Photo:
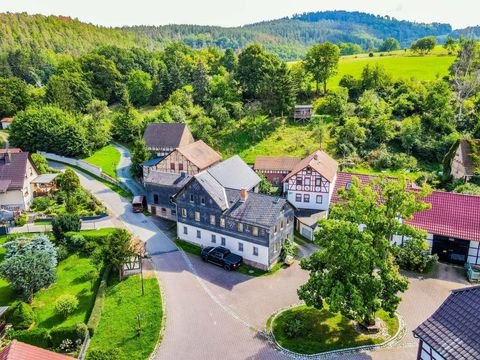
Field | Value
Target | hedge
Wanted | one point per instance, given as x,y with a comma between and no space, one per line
96,313
73,332
36,337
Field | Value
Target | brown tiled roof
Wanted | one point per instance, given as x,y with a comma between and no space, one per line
13,169
167,135
319,161
17,350
200,154
453,331
276,163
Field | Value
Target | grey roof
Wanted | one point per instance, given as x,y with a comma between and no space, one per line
213,188
234,173
13,167
167,135
44,179
310,217
167,179
453,330
152,162
258,209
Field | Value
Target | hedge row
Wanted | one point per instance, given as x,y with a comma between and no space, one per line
96,313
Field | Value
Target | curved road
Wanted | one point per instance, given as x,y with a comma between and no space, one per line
213,316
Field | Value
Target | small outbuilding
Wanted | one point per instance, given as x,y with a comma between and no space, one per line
453,331
303,112
6,122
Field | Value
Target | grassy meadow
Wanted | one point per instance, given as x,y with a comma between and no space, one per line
107,158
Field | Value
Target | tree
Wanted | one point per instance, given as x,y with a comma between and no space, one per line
126,125
66,304
335,103
410,131
349,136
20,315
450,45
28,272
424,45
265,187
200,84
414,255
14,96
229,60
362,276
139,156
465,72
140,87
277,91
65,223
97,124
390,44
118,249
23,245
68,181
253,63
322,63
69,92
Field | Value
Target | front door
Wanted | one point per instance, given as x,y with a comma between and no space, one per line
450,250
154,210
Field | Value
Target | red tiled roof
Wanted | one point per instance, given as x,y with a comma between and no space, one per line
319,161
453,215
275,163
17,350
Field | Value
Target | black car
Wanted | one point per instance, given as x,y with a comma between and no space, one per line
222,257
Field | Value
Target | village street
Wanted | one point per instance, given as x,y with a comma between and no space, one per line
212,314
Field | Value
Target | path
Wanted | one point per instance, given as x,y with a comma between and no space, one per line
106,222
123,171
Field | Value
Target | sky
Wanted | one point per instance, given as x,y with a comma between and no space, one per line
458,13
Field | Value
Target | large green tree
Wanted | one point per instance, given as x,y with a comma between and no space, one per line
118,249
390,44
424,45
140,86
322,63
69,92
14,96
354,272
200,84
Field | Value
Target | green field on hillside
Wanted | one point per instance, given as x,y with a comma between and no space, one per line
107,158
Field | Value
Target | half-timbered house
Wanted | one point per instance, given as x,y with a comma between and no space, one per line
275,169
163,138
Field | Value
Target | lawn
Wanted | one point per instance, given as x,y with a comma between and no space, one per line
118,323
71,279
107,158
325,331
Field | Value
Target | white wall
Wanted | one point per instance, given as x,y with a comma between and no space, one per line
473,253
312,204
306,231
231,243
95,170
13,199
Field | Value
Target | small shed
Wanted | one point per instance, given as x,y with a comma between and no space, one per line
44,184
6,122
303,112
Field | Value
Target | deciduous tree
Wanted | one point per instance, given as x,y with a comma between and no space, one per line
322,62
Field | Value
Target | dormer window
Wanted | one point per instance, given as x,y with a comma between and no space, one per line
202,201
192,199
222,222
348,186
309,171
240,227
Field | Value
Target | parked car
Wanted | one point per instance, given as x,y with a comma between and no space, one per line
139,203
222,257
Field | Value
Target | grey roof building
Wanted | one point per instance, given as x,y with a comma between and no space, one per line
234,173
162,138
453,331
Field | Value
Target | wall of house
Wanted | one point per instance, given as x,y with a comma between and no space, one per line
160,151
474,253
159,201
305,230
309,183
273,176
175,163
426,352
13,200
189,233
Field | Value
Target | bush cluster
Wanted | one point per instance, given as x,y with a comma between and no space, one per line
295,326
20,315
414,255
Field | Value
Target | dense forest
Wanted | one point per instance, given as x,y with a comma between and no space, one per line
289,38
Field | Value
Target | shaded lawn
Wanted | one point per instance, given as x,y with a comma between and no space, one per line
325,331
70,280
7,294
107,158
118,323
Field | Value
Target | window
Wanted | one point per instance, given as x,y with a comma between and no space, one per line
212,219
174,212
240,246
348,186
180,167
288,221
318,182
319,199
155,198
172,166
222,222
255,231
255,251
275,229
276,180
309,170
214,238
298,197
185,230
197,216
281,225
306,198
307,181
223,241
191,198
240,227
202,200
184,213
199,234
299,180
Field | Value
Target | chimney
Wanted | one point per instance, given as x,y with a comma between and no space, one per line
315,157
243,194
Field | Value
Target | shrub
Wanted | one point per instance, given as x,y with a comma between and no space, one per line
21,219
66,305
20,315
104,354
40,203
62,252
75,333
413,255
75,242
65,223
36,337
294,326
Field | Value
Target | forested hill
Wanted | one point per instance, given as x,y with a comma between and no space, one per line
288,37
60,34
